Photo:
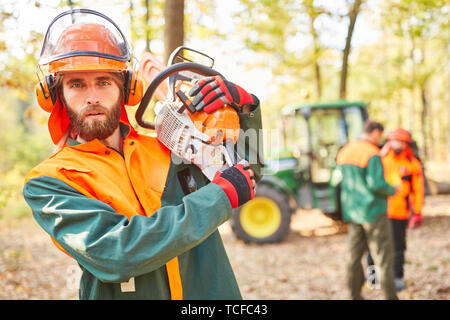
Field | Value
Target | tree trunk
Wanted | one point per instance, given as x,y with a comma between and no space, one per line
423,120
313,13
147,25
318,81
353,14
132,31
411,108
316,59
446,123
174,26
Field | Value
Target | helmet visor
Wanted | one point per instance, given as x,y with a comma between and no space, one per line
83,33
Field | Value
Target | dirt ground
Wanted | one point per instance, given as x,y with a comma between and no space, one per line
310,264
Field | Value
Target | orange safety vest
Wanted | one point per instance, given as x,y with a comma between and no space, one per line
406,171
357,153
99,172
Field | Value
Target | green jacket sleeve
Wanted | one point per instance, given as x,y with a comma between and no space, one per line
250,142
110,246
375,178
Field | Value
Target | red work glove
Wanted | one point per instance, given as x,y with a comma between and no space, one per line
415,221
213,92
237,182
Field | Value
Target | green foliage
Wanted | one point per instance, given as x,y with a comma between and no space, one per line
403,73
199,16
22,146
146,19
23,140
407,61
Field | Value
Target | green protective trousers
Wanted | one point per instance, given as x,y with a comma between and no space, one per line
376,236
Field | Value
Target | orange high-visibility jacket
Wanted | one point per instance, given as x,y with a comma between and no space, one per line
97,172
404,170
129,223
140,225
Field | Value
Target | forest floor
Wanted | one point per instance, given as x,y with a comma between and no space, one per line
309,264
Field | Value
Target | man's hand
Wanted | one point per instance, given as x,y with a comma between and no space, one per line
238,182
415,221
213,92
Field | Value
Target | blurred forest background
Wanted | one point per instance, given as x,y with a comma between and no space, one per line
301,51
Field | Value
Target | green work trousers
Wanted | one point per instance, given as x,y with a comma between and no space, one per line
376,236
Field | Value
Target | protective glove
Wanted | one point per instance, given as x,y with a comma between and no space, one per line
211,93
237,182
415,221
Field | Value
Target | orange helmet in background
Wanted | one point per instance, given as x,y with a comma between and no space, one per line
83,40
400,135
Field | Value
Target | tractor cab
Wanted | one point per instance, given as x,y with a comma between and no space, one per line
315,133
298,175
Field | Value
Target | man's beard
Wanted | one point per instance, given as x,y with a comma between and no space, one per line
95,129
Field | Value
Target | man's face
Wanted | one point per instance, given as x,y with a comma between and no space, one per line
93,102
398,146
376,137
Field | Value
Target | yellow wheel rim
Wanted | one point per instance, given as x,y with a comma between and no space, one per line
260,217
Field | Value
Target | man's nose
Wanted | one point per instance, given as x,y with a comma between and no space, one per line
92,97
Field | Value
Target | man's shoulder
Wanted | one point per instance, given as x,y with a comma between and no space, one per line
51,165
70,158
357,152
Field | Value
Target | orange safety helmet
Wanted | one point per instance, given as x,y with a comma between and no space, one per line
400,135
87,38
83,40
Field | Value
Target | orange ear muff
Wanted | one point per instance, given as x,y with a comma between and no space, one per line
45,93
133,88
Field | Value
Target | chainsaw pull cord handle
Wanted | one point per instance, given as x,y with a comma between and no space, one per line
163,75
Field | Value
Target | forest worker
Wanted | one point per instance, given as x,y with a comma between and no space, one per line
111,198
364,193
402,169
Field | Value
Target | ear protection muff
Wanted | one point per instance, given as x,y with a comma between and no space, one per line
46,94
133,88
133,91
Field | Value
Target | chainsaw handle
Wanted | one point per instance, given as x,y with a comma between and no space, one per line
163,75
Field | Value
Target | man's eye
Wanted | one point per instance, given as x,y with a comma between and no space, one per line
104,83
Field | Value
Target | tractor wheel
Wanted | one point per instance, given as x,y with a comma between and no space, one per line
264,219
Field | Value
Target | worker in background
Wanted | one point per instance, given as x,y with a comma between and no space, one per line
364,193
403,170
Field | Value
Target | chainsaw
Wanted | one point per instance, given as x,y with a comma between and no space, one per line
204,139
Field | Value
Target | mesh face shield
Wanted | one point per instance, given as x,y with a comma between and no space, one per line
84,40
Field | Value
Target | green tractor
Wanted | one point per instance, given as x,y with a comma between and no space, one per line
299,175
